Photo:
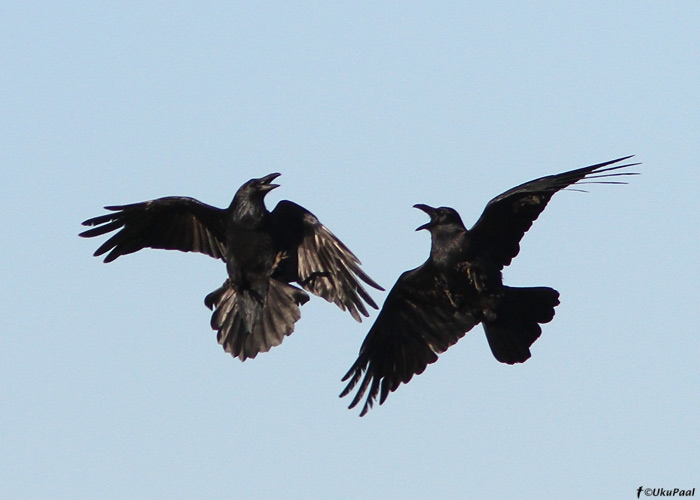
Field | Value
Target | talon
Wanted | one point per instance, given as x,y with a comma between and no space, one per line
279,258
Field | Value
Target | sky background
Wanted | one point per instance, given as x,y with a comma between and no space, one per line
112,384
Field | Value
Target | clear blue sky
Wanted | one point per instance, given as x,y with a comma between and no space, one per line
113,385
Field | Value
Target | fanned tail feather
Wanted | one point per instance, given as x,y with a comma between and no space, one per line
516,325
248,324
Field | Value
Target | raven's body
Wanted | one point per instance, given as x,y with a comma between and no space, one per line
264,252
460,285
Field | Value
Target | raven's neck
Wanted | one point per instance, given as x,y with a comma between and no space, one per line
449,245
248,212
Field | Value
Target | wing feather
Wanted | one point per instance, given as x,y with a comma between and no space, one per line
319,261
171,223
510,215
417,322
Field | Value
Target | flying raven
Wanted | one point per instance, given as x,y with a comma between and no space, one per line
264,252
460,285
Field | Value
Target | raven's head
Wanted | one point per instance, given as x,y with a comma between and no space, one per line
256,189
263,185
249,197
442,216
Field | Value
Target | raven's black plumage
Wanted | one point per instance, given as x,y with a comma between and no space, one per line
460,285
264,252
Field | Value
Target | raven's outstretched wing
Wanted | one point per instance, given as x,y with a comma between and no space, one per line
171,223
319,261
418,321
508,216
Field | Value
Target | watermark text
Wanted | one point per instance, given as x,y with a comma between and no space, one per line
665,492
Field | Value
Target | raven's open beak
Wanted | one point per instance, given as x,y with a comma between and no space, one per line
428,210
266,181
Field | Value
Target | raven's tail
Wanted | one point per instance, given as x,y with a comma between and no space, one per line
515,321
248,323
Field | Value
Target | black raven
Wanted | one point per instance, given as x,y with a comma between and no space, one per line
264,251
460,285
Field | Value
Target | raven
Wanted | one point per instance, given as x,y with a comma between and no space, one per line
460,285
264,252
